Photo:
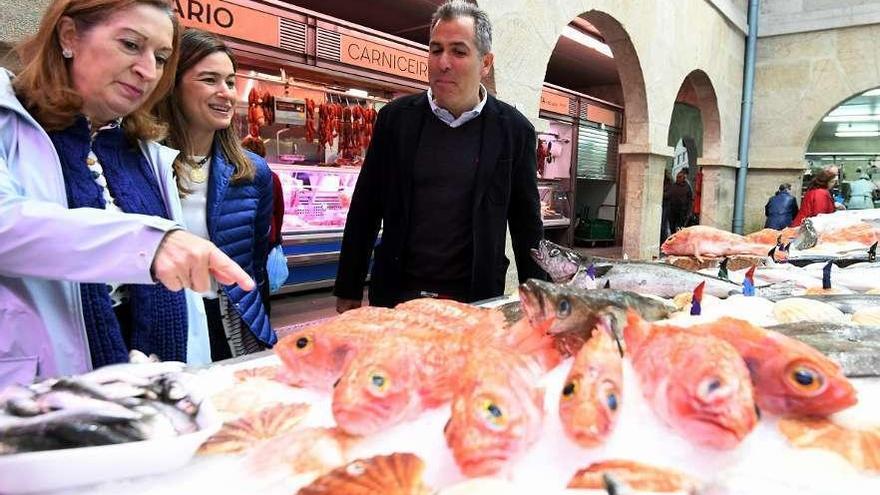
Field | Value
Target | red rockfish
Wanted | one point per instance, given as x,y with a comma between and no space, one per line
790,377
697,384
593,390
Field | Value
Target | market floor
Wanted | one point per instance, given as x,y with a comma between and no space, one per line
292,310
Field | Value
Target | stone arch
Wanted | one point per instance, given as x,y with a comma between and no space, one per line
629,70
818,120
698,91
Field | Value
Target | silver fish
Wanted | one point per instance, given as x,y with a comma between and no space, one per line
807,236
560,262
847,303
666,280
856,348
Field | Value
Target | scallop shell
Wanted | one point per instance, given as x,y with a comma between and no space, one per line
306,450
819,291
796,309
868,316
253,428
860,447
395,474
634,475
267,372
252,394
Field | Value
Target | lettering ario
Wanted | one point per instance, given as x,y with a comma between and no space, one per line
205,13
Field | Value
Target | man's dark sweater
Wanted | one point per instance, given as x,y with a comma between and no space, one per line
440,249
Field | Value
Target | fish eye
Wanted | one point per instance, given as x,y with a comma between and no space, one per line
554,252
378,381
611,401
612,397
708,387
805,378
492,415
303,343
569,390
563,309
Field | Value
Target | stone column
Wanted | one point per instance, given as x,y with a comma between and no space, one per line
642,192
719,186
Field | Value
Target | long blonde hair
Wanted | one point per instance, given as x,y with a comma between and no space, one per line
195,45
44,83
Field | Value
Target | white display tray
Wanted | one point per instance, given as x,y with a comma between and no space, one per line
762,464
33,472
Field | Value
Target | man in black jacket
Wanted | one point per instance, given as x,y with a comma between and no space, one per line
445,173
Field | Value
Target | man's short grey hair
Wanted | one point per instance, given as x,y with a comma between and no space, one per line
454,9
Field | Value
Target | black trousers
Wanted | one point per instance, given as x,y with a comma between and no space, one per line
216,334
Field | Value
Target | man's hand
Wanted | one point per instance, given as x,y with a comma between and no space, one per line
186,261
343,305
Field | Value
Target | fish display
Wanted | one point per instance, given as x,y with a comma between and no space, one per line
696,383
593,390
116,404
570,314
701,240
789,376
855,347
497,411
772,237
315,356
396,378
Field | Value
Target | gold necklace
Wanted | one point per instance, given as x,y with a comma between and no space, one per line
198,173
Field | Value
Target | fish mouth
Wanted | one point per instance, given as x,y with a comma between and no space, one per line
484,463
537,254
719,435
363,419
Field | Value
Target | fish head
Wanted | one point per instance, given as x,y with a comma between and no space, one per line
711,398
377,390
554,308
591,395
494,419
559,262
795,378
312,359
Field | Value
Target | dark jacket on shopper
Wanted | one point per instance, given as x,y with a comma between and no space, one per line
504,192
680,201
238,223
780,210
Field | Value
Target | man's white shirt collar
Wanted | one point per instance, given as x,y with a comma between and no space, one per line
446,116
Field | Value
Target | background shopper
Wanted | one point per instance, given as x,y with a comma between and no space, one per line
446,172
226,191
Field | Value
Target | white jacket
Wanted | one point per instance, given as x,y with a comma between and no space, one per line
46,250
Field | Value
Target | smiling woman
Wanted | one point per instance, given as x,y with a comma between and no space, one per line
92,258
226,191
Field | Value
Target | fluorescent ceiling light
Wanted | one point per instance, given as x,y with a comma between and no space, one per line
852,118
588,41
359,93
857,134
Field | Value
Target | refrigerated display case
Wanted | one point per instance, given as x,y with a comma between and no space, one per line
316,201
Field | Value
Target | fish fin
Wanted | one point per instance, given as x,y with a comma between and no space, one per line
610,320
526,339
637,330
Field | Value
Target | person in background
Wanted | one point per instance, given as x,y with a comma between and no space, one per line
664,211
780,208
681,200
445,174
256,145
861,192
92,257
818,198
226,191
